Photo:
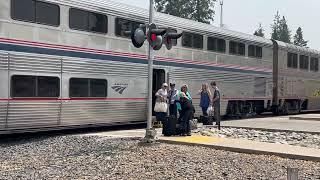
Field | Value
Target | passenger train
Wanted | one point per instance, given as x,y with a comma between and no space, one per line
69,63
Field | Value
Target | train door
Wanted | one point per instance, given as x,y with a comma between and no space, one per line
159,77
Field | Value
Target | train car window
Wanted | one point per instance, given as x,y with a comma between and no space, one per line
187,40
88,21
314,64
48,86
192,40
83,87
292,61
98,23
237,48
78,87
258,52
48,14
251,51
242,49
198,41
304,62
123,25
23,86
35,12
255,51
221,45
232,47
23,10
98,88
34,86
217,45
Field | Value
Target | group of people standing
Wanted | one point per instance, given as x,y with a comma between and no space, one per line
181,101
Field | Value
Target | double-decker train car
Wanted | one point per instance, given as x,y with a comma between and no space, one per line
69,63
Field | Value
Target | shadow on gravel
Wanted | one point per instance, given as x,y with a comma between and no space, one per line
23,138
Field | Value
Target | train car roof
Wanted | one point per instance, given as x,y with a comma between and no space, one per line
132,12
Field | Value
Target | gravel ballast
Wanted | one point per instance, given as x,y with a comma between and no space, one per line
291,138
93,157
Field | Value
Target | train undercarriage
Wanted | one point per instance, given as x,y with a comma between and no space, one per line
253,108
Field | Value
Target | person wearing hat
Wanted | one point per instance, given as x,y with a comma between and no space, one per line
161,96
172,96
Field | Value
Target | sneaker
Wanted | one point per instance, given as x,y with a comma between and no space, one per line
189,134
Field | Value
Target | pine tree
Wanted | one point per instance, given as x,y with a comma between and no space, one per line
280,29
259,31
285,33
298,38
198,10
276,27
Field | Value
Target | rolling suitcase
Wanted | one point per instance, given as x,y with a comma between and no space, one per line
169,126
208,120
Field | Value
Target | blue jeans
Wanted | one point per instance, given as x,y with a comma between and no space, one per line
204,111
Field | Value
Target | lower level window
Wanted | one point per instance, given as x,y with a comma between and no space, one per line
35,86
83,87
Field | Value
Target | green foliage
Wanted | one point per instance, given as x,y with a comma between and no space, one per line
276,27
285,33
280,29
298,38
259,31
198,10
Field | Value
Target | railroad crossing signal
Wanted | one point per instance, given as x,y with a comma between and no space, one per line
156,36
169,36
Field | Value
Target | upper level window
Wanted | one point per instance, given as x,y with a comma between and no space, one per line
216,44
88,21
314,64
82,87
237,48
255,51
123,25
292,60
192,40
304,62
35,11
34,86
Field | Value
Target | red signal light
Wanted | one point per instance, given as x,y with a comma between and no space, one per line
153,37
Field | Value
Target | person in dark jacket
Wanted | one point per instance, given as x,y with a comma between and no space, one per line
216,102
187,112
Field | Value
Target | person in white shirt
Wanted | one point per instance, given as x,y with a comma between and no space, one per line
172,96
162,96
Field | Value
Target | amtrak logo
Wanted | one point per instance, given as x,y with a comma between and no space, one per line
119,88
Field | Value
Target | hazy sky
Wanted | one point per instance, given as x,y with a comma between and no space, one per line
245,15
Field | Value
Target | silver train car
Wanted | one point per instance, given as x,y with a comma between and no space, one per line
69,63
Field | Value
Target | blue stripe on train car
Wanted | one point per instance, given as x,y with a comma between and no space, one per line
46,51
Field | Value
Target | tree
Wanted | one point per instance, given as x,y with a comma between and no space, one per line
276,27
285,33
198,10
280,29
298,38
259,31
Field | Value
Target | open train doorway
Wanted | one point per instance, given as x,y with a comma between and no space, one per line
159,77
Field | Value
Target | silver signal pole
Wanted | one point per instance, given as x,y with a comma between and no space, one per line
221,13
150,132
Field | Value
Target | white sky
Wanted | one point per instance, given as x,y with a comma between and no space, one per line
245,15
